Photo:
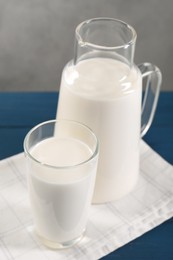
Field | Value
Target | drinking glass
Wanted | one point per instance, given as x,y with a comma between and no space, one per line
62,161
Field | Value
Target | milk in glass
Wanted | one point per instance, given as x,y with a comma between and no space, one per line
60,198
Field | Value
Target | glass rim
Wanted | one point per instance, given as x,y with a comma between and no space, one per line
101,47
27,152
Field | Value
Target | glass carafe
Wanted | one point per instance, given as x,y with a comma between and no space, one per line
102,88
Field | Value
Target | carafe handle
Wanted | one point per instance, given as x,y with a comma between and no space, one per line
152,79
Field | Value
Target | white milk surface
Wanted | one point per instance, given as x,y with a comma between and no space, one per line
105,94
60,197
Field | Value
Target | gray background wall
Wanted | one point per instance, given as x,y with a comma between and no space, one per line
36,37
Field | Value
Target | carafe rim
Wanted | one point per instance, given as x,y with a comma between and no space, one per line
83,43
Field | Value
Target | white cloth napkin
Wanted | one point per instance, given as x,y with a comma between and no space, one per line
110,225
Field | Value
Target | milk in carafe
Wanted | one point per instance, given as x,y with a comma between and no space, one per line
105,94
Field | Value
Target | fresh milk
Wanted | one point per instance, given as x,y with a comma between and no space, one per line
105,94
60,197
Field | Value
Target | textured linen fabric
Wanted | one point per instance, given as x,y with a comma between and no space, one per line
110,225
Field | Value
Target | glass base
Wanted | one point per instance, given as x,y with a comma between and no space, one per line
59,245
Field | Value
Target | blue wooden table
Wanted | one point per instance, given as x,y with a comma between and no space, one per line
19,112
